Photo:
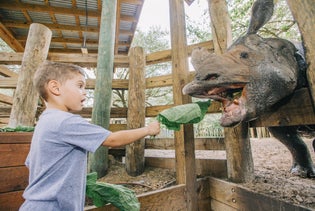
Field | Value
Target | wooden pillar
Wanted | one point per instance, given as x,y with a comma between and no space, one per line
240,165
220,25
98,161
304,14
26,97
239,158
136,110
184,139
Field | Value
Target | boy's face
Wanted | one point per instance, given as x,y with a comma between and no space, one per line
72,93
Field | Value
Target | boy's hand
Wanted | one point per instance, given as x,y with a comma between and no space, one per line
153,128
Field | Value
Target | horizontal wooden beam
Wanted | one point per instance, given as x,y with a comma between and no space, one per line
6,72
9,38
297,111
200,143
166,55
75,58
6,99
230,196
51,26
91,58
15,5
60,27
136,2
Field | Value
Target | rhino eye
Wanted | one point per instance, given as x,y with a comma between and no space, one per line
244,55
211,77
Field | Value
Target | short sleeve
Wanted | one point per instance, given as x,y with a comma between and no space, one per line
77,131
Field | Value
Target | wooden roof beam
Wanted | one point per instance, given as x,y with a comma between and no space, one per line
60,10
128,18
46,8
8,37
6,72
11,24
6,99
136,2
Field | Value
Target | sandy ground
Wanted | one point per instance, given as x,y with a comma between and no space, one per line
272,162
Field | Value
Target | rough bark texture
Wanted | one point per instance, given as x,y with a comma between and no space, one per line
136,110
184,139
26,97
103,87
220,25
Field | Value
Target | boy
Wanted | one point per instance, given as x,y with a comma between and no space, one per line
58,155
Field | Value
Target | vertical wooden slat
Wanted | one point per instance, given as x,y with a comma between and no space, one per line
184,139
240,166
136,110
220,25
304,14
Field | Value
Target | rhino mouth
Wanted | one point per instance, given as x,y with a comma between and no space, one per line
231,97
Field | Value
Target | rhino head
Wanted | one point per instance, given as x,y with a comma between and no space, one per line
254,73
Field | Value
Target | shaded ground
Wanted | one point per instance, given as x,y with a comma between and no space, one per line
272,162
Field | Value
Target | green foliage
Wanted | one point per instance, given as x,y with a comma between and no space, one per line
103,193
17,129
281,24
190,113
198,30
153,40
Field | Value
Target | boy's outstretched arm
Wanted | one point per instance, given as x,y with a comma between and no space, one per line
124,137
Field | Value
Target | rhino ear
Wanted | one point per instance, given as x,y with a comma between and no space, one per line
262,11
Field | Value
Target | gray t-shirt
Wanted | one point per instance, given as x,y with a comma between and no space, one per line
57,161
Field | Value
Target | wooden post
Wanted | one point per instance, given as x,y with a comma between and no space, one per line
240,167
98,161
220,25
26,97
239,158
184,139
136,110
304,13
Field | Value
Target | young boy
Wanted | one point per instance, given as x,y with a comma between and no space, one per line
58,156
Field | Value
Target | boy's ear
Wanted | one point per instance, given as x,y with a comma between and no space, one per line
53,87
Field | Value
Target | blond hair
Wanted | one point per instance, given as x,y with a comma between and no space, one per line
54,71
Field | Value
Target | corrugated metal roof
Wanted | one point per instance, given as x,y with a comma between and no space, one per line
67,20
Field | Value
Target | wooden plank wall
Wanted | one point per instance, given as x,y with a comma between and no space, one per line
14,148
204,167
213,194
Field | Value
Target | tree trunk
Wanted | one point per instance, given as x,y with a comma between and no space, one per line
98,161
26,97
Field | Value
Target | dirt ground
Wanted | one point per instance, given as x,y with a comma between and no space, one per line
272,162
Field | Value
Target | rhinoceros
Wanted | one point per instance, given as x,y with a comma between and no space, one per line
251,77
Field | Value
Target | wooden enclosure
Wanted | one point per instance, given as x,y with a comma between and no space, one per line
218,194
188,194
14,148
209,190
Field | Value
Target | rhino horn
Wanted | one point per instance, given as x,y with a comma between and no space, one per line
262,11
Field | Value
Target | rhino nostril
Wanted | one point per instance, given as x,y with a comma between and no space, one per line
244,55
211,77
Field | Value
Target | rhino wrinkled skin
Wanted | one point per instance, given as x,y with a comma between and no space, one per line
254,75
